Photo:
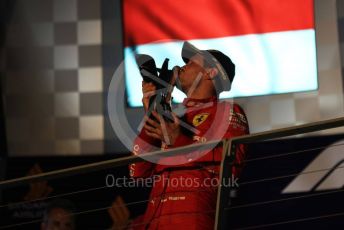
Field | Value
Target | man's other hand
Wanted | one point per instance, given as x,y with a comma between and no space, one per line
161,129
148,90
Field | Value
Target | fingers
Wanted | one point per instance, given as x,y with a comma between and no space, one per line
175,118
160,129
148,87
152,127
148,90
149,93
156,116
122,206
152,122
152,134
119,213
159,121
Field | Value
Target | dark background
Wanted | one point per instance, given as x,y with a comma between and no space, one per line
237,218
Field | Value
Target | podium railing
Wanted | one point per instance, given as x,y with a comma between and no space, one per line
228,157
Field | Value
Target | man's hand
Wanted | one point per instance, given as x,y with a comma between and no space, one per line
163,130
119,214
148,90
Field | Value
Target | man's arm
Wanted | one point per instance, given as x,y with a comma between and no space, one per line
144,143
238,126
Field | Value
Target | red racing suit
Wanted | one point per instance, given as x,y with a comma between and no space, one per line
184,192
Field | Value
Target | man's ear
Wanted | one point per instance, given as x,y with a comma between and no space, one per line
212,72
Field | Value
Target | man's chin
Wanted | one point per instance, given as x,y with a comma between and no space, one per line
179,86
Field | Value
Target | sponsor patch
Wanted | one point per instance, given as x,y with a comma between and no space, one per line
237,120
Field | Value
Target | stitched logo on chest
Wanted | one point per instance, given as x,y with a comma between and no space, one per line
199,118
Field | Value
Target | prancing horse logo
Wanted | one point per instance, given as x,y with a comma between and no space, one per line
199,118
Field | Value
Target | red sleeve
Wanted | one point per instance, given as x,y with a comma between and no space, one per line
238,126
233,123
182,140
143,144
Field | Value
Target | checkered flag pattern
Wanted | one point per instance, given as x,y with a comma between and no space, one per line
53,79
340,14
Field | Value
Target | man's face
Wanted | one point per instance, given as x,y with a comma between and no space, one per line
190,72
59,219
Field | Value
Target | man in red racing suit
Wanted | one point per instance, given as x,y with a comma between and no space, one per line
185,187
